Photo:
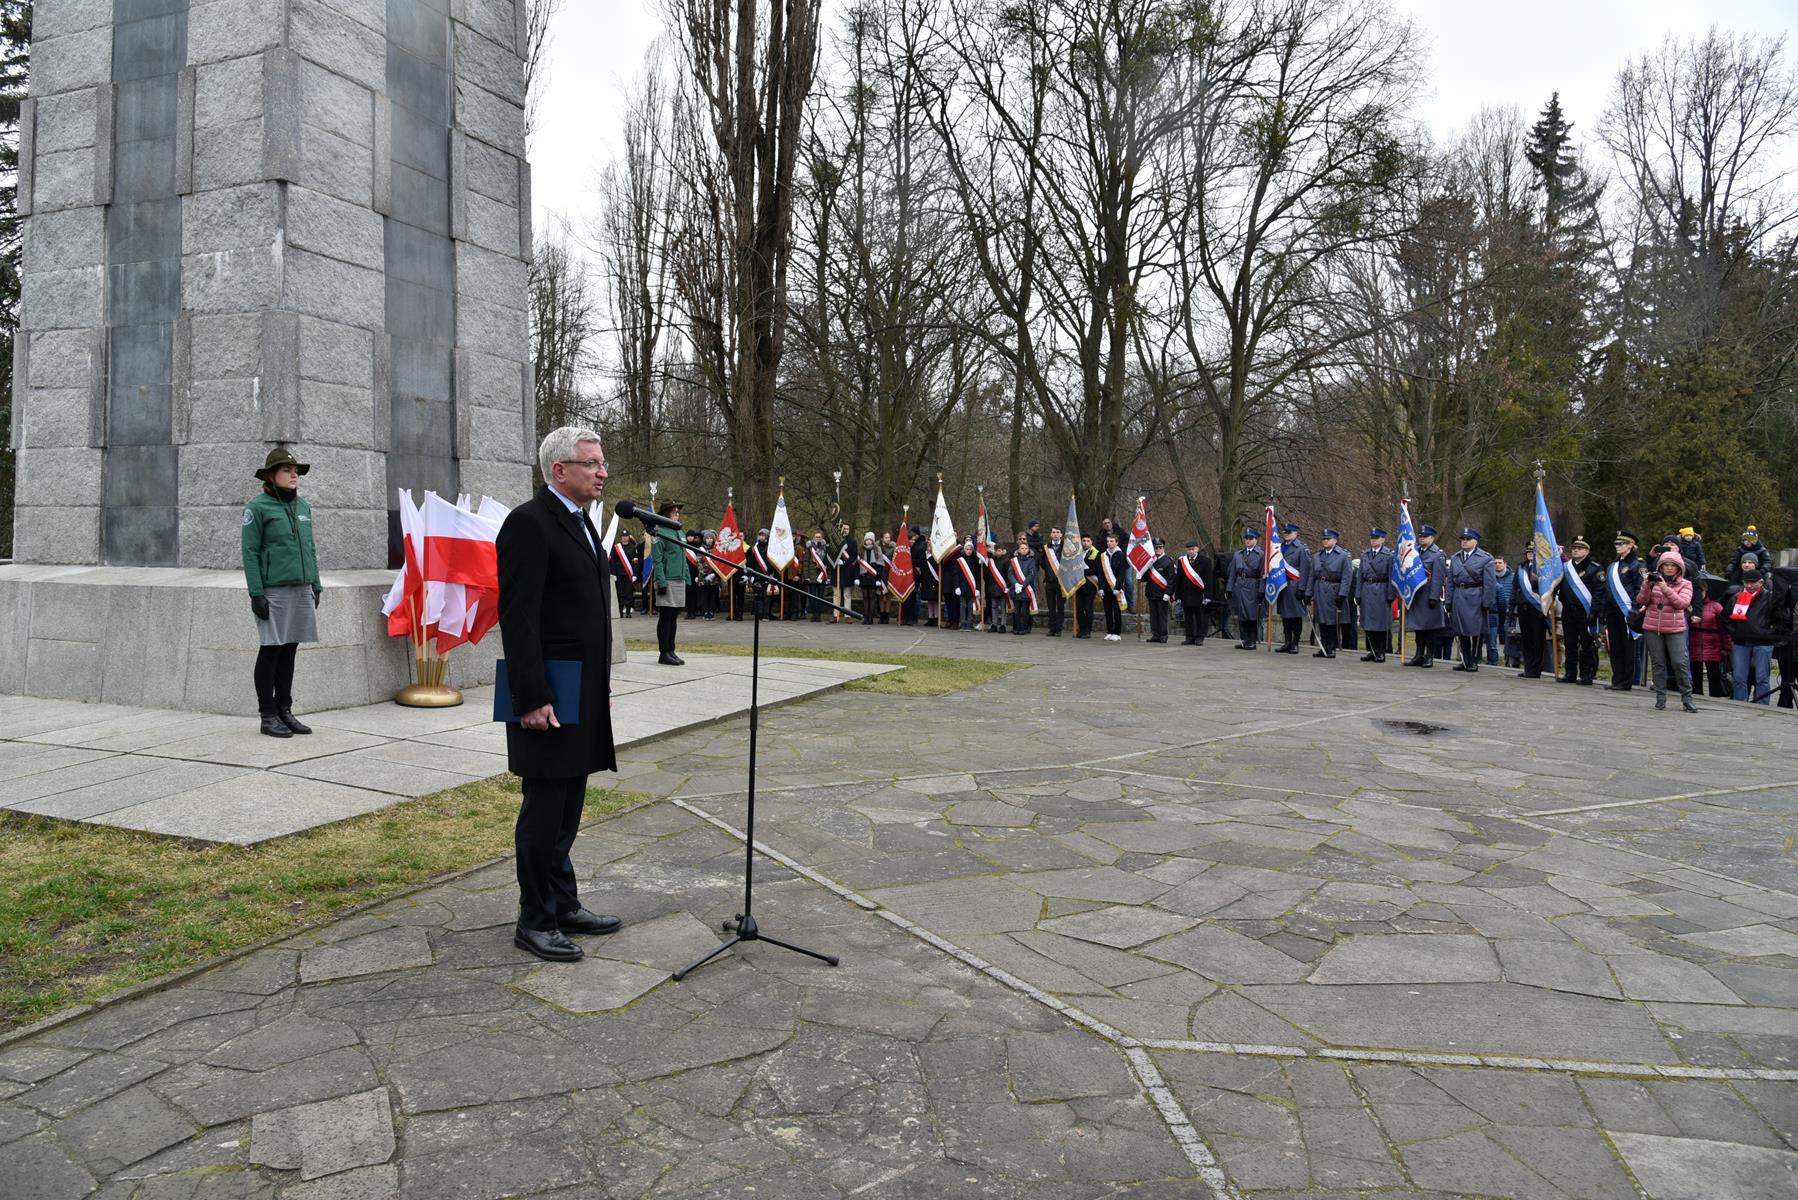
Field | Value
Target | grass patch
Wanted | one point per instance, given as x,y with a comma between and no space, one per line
922,674
86,910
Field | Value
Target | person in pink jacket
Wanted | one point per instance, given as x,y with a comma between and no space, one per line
1710,650
1666,598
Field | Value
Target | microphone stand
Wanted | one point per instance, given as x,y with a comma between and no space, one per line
744,926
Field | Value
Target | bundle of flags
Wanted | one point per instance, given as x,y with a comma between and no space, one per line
447,590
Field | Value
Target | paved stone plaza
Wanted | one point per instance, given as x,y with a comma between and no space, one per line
1137,921
208,778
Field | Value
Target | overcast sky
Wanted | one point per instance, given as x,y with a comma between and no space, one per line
1479,55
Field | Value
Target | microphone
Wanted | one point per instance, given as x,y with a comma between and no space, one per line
629,511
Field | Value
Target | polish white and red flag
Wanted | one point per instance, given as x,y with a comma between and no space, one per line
448,588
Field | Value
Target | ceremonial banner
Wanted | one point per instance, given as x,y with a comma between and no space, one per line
1071,570
1278,574
901,576
942,529
780,536
1412,574
982,550
729,544
1142,551
1549,567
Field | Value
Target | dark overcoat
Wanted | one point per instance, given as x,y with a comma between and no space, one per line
553,605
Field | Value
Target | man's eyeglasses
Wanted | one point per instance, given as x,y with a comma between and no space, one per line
592,464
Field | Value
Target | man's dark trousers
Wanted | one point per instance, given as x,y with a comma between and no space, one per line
548,820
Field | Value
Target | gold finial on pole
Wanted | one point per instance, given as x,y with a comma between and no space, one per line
1540,472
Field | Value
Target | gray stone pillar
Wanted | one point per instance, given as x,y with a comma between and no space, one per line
251,223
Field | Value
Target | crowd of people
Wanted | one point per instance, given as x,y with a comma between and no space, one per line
1664,620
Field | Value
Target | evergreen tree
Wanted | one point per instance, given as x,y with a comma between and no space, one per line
15,60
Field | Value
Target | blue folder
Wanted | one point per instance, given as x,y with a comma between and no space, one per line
564,684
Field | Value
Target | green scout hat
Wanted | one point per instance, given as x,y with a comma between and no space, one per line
281,456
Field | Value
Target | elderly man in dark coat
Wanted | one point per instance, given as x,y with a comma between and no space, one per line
1192,583
1243,583
1332,578
1377,589
553,611
1472,591
1427,614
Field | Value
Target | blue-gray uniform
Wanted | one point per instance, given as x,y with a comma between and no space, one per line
1472,591
1375,591
1332,577
1243,583
1427,615
1290,603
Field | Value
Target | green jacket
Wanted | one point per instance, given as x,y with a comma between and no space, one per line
670,554
277,544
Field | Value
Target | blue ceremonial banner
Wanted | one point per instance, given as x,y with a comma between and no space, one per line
1276,559
1412,574
1549,567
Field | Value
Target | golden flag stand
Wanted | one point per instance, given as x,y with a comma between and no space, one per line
430,668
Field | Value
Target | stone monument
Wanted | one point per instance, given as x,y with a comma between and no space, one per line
251,223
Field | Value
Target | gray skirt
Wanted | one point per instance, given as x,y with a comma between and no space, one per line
292,615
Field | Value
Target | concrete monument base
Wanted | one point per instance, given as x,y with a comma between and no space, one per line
169,637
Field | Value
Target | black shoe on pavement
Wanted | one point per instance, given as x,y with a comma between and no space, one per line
671,659
1370,656
1686,703
273,726
1319,654
292,722
1660,701
1616,687
551,945
582,921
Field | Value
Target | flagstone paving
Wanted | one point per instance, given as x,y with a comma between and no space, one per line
211,778
1140,921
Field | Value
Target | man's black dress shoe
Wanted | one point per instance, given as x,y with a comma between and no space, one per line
582,921
672,660
548,944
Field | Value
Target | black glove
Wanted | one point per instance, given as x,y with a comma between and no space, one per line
259,606
317,594
1435,603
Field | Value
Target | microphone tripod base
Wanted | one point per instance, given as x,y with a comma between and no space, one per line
748,931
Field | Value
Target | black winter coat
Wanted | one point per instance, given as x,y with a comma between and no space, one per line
553,605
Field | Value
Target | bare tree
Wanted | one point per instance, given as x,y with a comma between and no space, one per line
539,14
752,62
562,331
634,234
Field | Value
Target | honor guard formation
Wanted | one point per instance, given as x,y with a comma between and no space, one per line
1660,617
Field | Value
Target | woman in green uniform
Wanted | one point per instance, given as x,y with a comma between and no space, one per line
281,568
672,578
